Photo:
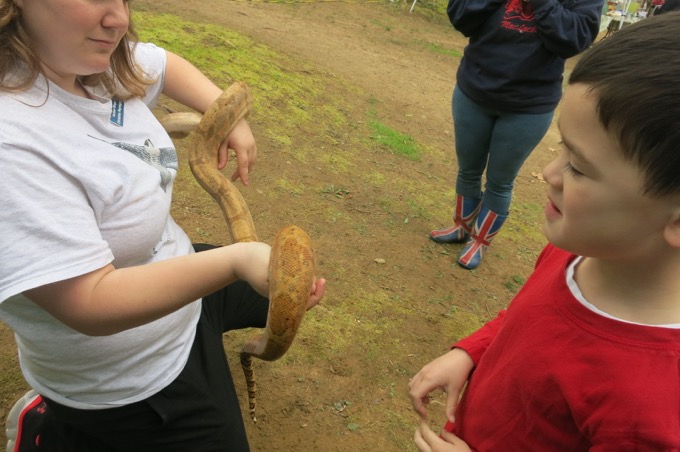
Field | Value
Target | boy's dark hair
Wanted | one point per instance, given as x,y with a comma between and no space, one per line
635,75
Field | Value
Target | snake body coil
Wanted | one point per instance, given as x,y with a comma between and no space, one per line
292,262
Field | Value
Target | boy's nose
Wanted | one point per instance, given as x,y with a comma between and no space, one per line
552,173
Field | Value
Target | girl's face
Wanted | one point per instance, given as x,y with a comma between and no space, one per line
74,37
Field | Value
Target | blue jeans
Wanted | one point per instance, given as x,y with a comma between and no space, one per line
494,141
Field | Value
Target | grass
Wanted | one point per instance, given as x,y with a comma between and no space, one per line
338,192
284,98
395,141
226,56
436,48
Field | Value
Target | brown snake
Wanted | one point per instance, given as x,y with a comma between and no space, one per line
292,262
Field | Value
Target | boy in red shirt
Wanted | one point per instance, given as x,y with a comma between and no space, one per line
587,355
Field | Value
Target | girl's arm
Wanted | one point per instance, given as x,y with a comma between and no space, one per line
110,300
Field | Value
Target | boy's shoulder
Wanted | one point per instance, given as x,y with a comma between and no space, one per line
551,253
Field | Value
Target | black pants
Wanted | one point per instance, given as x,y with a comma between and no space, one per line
197,412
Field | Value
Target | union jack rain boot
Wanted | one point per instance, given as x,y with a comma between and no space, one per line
466,212
486,227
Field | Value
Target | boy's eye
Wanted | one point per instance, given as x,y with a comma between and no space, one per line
573,171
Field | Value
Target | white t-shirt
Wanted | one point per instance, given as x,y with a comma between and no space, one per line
85,183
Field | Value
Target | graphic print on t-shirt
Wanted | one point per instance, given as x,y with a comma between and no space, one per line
519,16
163,159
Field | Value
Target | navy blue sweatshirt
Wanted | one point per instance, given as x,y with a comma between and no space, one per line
515,57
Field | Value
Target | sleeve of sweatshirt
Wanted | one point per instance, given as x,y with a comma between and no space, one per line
467,16
476,344
567,28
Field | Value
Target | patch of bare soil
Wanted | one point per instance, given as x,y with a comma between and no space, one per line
357,399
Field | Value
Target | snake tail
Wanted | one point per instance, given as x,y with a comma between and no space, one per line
249,373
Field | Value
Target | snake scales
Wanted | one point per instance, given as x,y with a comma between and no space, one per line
292,262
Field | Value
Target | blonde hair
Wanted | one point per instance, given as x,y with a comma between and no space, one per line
123,79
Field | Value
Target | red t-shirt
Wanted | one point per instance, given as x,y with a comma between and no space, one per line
553,375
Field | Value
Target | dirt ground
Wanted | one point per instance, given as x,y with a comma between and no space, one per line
395,300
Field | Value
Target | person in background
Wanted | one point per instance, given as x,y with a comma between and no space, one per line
654,7
668,5
587,355
118,320
508,84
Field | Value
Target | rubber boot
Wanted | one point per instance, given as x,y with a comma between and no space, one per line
486,227
466,212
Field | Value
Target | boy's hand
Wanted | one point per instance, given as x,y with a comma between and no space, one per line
428,441
242,141
449,373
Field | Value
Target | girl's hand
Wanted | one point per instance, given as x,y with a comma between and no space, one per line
253,267
242,141
316,294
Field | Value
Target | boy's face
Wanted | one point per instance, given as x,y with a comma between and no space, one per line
595,203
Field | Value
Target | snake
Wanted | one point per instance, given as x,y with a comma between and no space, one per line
292,263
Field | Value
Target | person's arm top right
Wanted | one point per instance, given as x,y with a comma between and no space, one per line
567,28
466,16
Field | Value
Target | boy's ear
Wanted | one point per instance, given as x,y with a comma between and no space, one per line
672,231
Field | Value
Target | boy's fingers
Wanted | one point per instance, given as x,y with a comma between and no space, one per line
452,439
421,411
418,399
451,403
420,440
428,434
